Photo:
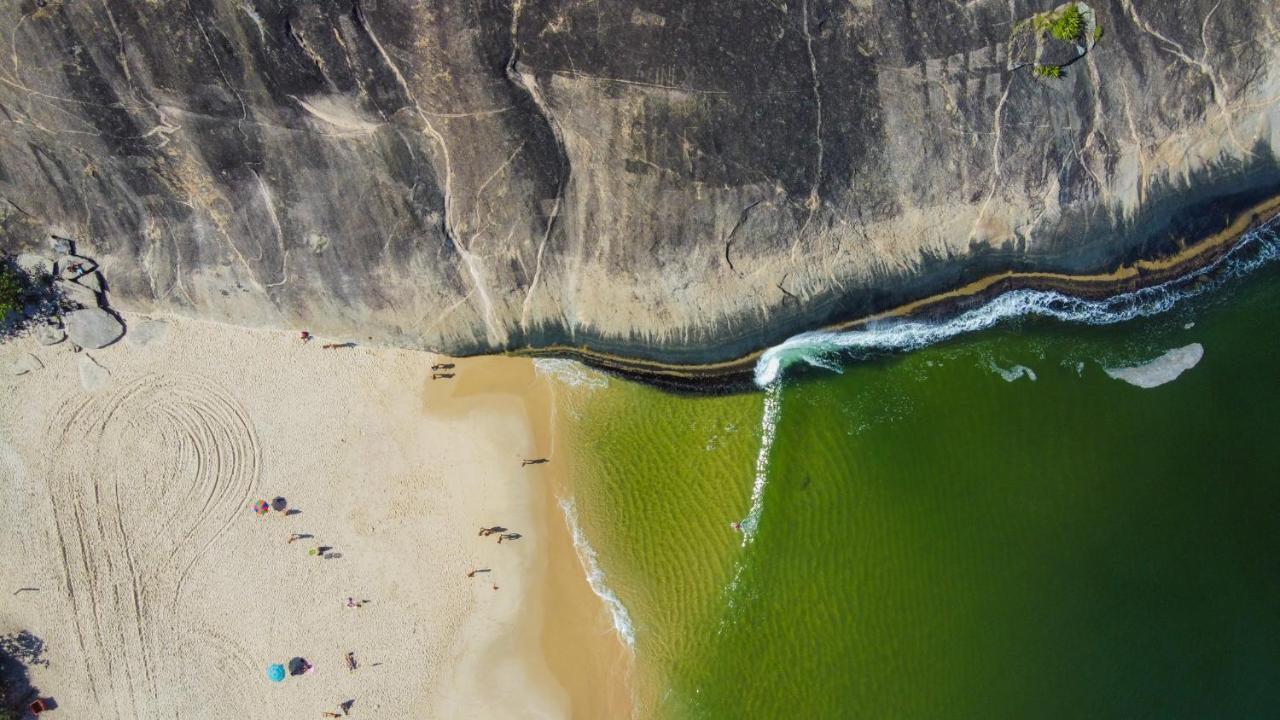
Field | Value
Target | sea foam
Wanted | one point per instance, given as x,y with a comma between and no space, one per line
768,431
595,576
827,349
1162,370
571,372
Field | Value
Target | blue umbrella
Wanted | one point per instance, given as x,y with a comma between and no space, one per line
276,673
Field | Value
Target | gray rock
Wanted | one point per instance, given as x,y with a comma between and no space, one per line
92,328
687,182
77,293
36,265
91,280
46,334
93,377
25,363
61,246
146,332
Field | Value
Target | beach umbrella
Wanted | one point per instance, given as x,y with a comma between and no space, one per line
276,673
261,507
299,666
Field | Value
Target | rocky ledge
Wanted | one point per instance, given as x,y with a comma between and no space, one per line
650,180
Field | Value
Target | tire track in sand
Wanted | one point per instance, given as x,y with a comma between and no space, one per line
143,479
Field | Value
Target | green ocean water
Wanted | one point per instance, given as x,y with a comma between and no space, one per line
935,541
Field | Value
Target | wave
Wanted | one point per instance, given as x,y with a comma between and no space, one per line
595,576
828,349
570,372
768,431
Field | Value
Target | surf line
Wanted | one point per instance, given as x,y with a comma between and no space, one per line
595,576
826,349
768,431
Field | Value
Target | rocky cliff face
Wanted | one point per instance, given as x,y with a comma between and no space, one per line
662,178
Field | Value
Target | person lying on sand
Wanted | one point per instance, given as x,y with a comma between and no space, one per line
441,376
442,366
535,461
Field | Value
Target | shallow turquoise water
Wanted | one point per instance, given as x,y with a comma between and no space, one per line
935,541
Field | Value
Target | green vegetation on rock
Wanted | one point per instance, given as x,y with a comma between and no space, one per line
1068,24
12,287
1048,71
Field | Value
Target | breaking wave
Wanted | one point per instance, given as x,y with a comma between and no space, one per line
595,576
768,431
829,349
571,372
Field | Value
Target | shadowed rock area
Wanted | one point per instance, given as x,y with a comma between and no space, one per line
686,181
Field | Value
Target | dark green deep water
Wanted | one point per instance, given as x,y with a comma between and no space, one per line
938,542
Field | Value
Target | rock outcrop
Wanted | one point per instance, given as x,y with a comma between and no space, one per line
679,180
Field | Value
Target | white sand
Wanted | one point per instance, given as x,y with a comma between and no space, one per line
161,595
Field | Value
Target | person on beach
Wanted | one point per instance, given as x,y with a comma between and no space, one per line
354,603
535,461
441,376
442,366
351,662
486,532
305,336
293,537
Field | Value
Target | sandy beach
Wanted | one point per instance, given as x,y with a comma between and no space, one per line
154,590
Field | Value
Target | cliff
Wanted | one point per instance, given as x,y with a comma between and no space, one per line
682,181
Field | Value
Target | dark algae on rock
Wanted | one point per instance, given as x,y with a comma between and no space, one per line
663,182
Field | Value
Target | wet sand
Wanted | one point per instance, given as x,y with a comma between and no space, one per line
161,594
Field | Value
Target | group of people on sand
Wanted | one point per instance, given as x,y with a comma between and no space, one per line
502,534
281,506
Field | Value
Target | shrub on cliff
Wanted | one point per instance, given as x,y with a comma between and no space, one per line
1068,25
13,287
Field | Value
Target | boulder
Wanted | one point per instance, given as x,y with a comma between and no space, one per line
92,328
34,265
76,293
93,376
147,332
60,245
25,363
49,334
91,280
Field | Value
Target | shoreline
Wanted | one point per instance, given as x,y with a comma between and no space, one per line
736,375
564,631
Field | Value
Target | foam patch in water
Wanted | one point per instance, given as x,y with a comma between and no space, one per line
1014,373
1162,370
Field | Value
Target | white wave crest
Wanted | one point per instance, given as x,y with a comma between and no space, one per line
595,576
823,349
570,372
768,431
